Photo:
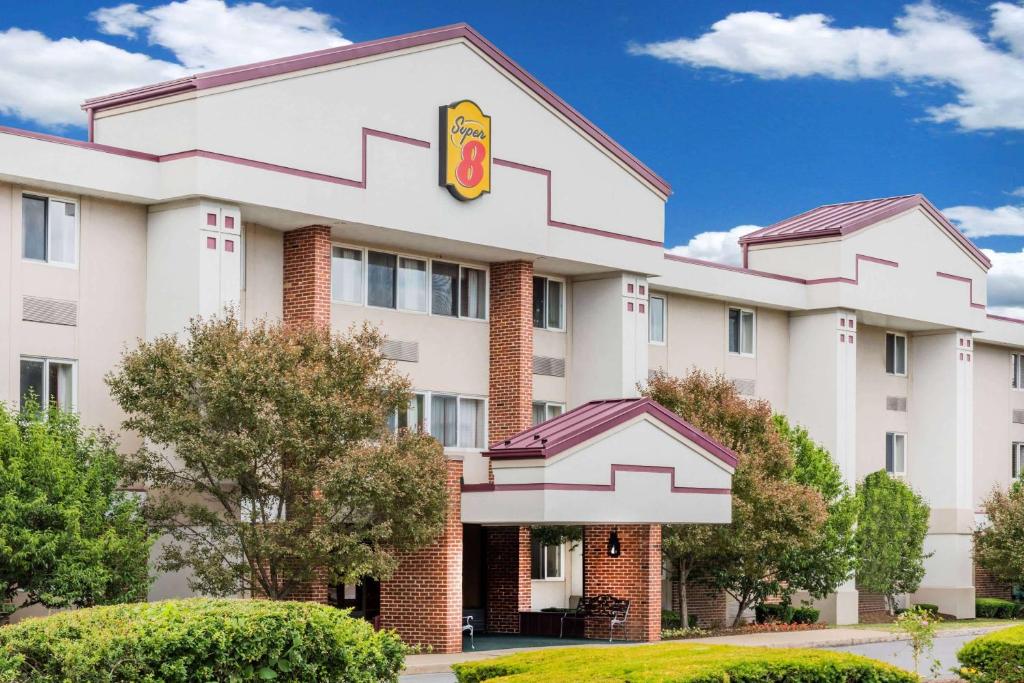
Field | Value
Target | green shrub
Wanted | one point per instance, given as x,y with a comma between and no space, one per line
773,613
805,615
682,663
928,607
199,640
670,619
997,656
995,608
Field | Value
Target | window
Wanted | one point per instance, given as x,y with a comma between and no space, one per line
896,453
412,284
473,292
657,327
895,353
1017,370
347,275
457,422
546,561
413,418
1017,459
543,411
445,293
48,382
458,291
741,331
50,229
548,303
381,279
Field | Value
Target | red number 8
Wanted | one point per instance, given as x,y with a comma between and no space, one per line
470,170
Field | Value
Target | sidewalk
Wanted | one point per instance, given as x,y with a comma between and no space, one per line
829,637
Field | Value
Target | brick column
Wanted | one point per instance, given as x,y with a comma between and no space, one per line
634,575
508,577
423,600
707,604
307,276
511,349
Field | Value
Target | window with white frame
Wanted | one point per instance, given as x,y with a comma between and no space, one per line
458,421
458,291
741,331
49,382
347,275
413,418
895,353
1017,459
49,229
381,279
544,411
657,323
1017,370
546,561
412,284
896,453
548,303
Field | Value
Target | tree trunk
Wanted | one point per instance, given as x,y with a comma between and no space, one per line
684,607
740,609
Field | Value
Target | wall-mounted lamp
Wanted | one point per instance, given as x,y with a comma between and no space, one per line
614,548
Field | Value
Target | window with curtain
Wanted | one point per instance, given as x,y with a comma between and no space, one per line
49,382
347,275
657,330
548,303
381,279
1017,370
741,331
895,354
544,411
896,453
49,230
412,284
412,418
444,424
445,288
473,290
546,561
471,423
1017,459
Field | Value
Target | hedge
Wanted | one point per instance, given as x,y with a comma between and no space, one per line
674,620
785,614
682,663
199,640
997,656
996,608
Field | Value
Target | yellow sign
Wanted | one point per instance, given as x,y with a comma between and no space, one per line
465,145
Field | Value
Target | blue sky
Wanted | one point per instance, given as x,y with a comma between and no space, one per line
752,111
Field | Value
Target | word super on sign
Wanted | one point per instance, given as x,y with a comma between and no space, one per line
465,146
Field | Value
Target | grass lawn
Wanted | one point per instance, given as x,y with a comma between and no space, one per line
680,663
949,625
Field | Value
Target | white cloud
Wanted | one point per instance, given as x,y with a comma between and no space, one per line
976,221
1018,192
926,46
1006,283
721,246
210,34
46,79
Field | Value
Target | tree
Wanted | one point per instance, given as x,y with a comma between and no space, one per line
68,536
831,559
999,545
271,459
890,537
773,515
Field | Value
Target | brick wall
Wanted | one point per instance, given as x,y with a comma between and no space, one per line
508,577
868,603
511,349
307,276
423,600
634,575
707,603
988,586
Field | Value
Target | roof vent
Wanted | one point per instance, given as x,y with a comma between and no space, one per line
1018,417
38,309
552,367
394,349
745,387
897,403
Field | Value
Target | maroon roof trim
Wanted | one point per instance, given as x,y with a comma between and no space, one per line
371,48
734,269
848,217
93,146
594,418
1005,318
970,286
615,468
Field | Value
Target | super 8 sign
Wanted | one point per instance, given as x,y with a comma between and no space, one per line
465,145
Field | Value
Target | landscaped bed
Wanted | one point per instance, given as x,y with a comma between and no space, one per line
682,663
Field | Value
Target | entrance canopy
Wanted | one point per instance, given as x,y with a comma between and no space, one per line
627,461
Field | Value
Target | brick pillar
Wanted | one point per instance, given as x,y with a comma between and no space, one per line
634,575
508,577
707,604
511,348
307,276
423,600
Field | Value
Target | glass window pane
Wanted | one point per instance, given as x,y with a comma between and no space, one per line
539,295
554,410
59,385
474,293
412,417
747,332
61,232
734,330
890,353
32,381
901,355
536,560
442,419
347,275
889,453
471,423
380,283
900,455
553,562
539,414
554,304
33,218
412,284
445,298
657,319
